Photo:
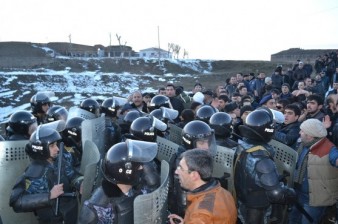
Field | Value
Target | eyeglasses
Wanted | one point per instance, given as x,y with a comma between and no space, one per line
179,167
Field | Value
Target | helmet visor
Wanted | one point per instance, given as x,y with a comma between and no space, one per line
168,113
207,143
141,151
59,125
158,124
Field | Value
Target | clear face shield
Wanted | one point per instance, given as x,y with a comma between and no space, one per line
206,142
158,124
169,114
59,125
141,151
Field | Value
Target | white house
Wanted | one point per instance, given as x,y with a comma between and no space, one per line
154,52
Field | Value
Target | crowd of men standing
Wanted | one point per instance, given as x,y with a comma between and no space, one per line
297,107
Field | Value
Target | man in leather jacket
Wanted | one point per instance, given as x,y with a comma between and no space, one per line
208,202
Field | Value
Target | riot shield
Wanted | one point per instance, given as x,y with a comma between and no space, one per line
90,169
166,149
78,112
13,162
175,134
223,165
93,130
285,158
152,207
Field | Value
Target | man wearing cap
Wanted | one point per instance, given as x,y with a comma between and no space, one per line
208,96
299,72
315,177
268,102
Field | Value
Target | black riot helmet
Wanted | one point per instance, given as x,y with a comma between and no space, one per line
128,119
259,125
22,122
159,101
221,122
73,131
38,146
145,128
56,113
110,107
165,114
204,113
195,131
122,163
38,100
91,106
131,116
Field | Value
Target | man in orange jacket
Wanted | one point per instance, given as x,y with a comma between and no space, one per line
207,201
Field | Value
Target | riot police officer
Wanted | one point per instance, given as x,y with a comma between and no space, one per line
40,103
110,107
205,112
159,101
37,189
127,120
91,106
122,168
55,113
195,134
71,136
256,180
221,122
21,125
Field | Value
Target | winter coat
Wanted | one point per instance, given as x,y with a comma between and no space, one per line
210,203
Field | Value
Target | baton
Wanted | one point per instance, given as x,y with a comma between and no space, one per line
59,176
304,212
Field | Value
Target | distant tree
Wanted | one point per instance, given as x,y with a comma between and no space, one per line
185,53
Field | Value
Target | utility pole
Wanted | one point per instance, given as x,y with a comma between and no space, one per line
109,45
159,45
70,44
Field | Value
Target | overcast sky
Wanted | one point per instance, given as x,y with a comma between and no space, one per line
214,29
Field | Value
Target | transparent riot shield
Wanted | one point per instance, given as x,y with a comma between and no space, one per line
78,112
13,162
166,149
285,158
223,165
175,134
90,169
93,130
152,207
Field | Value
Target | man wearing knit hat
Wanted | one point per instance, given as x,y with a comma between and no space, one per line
316,176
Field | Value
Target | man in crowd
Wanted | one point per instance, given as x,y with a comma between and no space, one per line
316,178
171,94
208,202
288,132
314,106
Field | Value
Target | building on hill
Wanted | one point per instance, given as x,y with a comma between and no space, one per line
154,52
294,54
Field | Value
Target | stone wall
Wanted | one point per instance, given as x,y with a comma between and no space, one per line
24,62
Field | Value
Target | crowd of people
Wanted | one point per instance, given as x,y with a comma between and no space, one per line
297,107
